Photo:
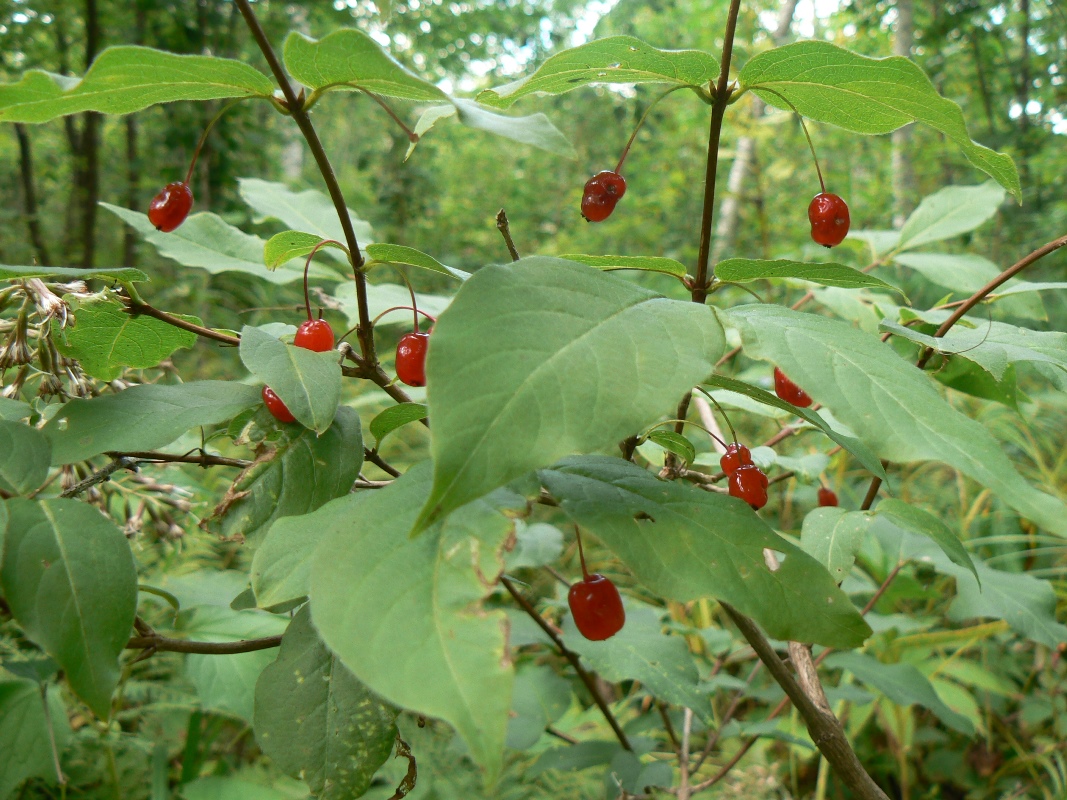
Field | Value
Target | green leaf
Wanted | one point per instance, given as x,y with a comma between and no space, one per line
950,212
206,242
540,697
547,341
226,788
922,522
120,274
398,254
850,443
616,59
143,417
226,684
892,406
25,455
833,536
377,593
685,544
127,79
674,443
393,418
310,211
827,83
309,383
350,58
14,410
535,545
71,582
966,376
668,266
535,130
287,245
903,684
24,736
745,270
303,472
105,339
642,652
384,296
316,721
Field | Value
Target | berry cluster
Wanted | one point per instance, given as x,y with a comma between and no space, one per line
600,195
747,481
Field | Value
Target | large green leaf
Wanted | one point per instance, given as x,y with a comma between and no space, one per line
287,245
535,130
105,339
315,719
684,544
143,417
383,296
304,471
668,266
827,83
127,79
541,696
14,410
744,270
566,359
70,579
833,536
24,737
206,241
309,383
121,274
641,651
310,211
901,683
399,254
405,614
25,455
950,212
616,59
922,522
892,406
350,58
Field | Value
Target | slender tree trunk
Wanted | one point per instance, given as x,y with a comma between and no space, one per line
730,208
133,195
903,168
983,84
90,145
1023,97
29,195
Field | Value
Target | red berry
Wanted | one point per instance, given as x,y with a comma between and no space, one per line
828,215
750,484
411,358
613,183
315,334
737,455
276,407
827,497
600,195
596,607
170,207
789,391
597,206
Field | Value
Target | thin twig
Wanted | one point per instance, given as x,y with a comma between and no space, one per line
161,643
505,231
102,475
135,308
373,457
203,460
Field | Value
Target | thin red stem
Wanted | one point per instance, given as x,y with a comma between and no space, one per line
203,136
430,317
307,266
640,123
581,553
412,136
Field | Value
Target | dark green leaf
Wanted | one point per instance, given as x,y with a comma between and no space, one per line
667,266
674,443
744,270
71,582
24,738
393,418
833,536
287,245
25,455
120,274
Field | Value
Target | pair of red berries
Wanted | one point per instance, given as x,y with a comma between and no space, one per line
746,480
600,195
316,335
828,215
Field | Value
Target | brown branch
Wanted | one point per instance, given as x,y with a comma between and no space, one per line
159,643
586,677
504,227
135,308
373,457
203,460
102,475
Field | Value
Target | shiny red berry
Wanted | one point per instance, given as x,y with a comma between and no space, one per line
827,497
411,358
737,455
315,334
750,484
600,195
596,607
170,207
789,391
828,215
614,184
276,407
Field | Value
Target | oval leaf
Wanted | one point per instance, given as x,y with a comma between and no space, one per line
744,270
399,254
950,212
833,536
25,455
395,417
309,210
535,130
287,245
667,266
674,443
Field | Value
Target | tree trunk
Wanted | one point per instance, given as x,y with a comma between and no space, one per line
903,169
90,140
133,196
29,195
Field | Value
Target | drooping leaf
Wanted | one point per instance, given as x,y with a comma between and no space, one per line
745,270
892,406
105,339
350,58
309,383
25,455
641,651
207,242
287,245
684,544
70,579
922,522
393,418
616,59
668,266
950,212
404,613
548,341
143,417
127,79
302,472
833,536
827,83
120,274
24,737
310,211
901,683
399,254
315,719
540,697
